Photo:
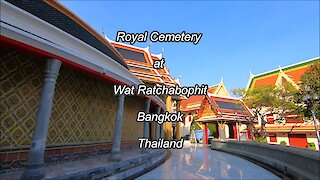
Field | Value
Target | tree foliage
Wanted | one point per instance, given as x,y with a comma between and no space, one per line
282,100
269,99
310,78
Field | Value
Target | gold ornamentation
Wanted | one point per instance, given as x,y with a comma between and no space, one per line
84,108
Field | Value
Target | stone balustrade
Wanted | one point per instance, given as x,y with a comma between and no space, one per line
291,161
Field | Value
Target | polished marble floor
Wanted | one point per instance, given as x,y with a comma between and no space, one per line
201,162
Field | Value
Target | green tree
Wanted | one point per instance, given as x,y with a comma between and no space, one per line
263,100
311,79
283,100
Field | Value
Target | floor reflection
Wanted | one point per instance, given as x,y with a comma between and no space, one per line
197,162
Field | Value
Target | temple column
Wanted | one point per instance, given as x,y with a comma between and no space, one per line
153,130
162,131
146,124
238,133
205,134
178,124
168,125
117,130
35,163
234,129
222,131
158,125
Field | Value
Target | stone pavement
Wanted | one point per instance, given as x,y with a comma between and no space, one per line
99,166
197,161
194,161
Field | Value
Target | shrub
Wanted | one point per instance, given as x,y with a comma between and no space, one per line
261,139
283,143
311,146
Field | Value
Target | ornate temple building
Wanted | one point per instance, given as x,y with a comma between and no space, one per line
193,103
228,116
57,100
294,130
226,119
140,63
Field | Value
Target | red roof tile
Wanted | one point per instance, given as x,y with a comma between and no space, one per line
294,71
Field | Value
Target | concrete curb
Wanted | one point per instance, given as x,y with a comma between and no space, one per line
292,162
109,169
139,170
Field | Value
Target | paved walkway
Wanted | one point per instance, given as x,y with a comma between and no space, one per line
198,162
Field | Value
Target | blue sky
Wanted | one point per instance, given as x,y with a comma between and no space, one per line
238,37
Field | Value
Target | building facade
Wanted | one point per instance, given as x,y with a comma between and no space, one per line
57,100
140,62
208,114
192,105
294,130
228,116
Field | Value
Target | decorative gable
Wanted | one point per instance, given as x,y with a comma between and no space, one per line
206,109
291,74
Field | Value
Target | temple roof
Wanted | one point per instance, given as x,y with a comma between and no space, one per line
140,63
164,73
54,13
223,108
48,29
291,74
194,102
226,105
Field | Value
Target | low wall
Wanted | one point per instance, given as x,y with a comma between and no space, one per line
296,162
